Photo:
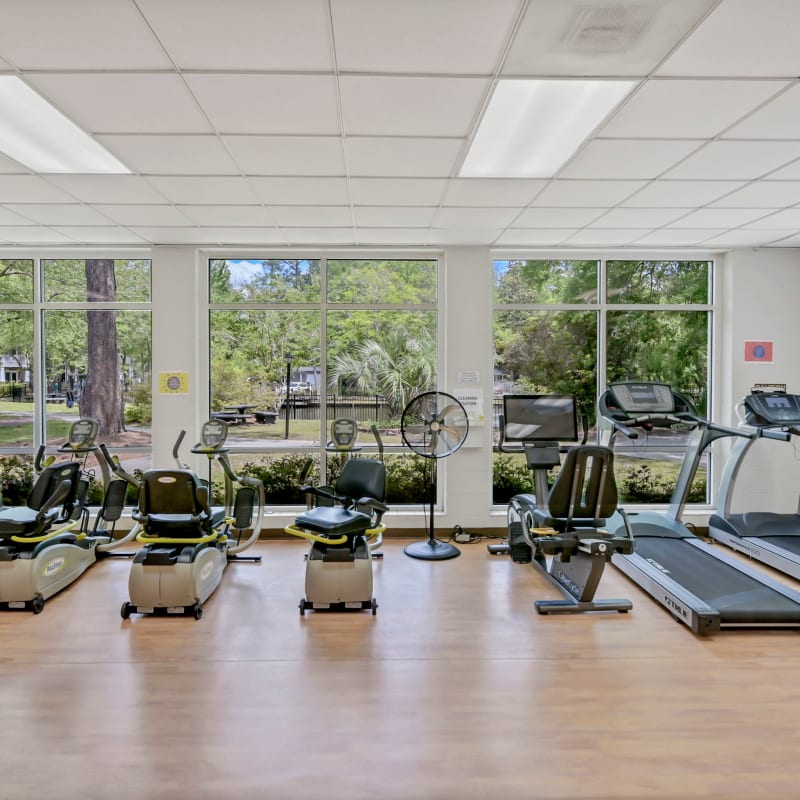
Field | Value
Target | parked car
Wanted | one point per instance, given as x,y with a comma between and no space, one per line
300,387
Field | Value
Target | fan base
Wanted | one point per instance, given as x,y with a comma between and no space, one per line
431,550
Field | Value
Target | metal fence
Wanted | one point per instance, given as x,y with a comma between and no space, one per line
372,408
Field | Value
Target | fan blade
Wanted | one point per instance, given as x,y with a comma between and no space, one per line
433,444
454,433
450,409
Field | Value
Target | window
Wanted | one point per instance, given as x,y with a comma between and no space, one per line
573,327
271,321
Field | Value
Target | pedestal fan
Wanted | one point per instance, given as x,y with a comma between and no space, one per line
434,425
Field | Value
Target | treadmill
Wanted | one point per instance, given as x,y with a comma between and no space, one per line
702,587
767,536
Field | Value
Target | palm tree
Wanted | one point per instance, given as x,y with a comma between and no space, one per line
398,366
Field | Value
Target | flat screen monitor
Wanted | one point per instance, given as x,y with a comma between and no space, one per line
540,417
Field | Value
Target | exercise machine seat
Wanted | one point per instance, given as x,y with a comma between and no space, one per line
52,499
360,489
173,504
585,492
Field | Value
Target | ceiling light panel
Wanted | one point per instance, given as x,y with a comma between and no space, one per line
531,128
591,37
403,106
688,109
448,36
742,37
242,34
38,135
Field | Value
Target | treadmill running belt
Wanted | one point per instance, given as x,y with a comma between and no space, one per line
738,597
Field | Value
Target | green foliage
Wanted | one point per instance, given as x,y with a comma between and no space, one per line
510,476
638,484
280,476
16,479
140,407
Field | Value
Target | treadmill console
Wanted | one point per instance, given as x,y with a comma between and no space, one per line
772,408
643,398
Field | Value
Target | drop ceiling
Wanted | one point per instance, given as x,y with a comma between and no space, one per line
345,122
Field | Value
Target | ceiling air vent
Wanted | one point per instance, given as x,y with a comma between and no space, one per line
607,28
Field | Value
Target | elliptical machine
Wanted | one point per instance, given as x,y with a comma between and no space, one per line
343,524
187,543
560,528
46,545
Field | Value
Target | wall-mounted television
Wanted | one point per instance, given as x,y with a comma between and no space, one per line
540,417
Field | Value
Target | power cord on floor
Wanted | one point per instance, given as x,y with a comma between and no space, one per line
460,536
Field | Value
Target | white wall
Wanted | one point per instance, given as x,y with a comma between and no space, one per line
759,302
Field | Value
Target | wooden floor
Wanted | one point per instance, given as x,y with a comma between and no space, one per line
456,690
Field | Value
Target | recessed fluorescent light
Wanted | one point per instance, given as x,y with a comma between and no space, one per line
39,136
532,127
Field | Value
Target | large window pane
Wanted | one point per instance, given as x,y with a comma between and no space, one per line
16,281
668,347
16,378
539,282
76,280
381,282
282,280
660,282
254,354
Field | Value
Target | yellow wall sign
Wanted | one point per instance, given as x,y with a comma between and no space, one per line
173,382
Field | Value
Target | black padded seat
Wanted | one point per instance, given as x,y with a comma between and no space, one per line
23,521
333,521
584,494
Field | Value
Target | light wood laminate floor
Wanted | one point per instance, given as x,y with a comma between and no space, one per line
456,689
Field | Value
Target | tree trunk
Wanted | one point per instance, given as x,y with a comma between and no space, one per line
102,395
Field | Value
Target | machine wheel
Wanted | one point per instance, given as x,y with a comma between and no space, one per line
197,610
37,604
374,606
302,607
125,611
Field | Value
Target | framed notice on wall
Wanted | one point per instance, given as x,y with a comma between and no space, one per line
758,352
173,382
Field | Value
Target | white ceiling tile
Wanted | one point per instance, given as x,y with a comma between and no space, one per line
746,238
200,236
107,188
467,217
720,217
222,216
729,159
789,241
61,214
675,237
30,189
680,194
320,236
171,155
779,119
97,234
402,157
575,37
639,217
287,155
534,237
688,109
586,194
8,217
409,106
32,234
300,191
312,216
394,216
124,102
9,167
144,215
788,218
397,191
448,36
570,217
742,37
91,34
212,190
242,34
788,173
627,158
492,191
260,235
463,236
301,104
762,194
605,236
392,236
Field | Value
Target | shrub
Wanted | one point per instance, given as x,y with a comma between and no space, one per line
638,484
510,476
140,409
16,479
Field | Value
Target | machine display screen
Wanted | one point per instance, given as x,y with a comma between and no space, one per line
773,408
644,398
532,417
